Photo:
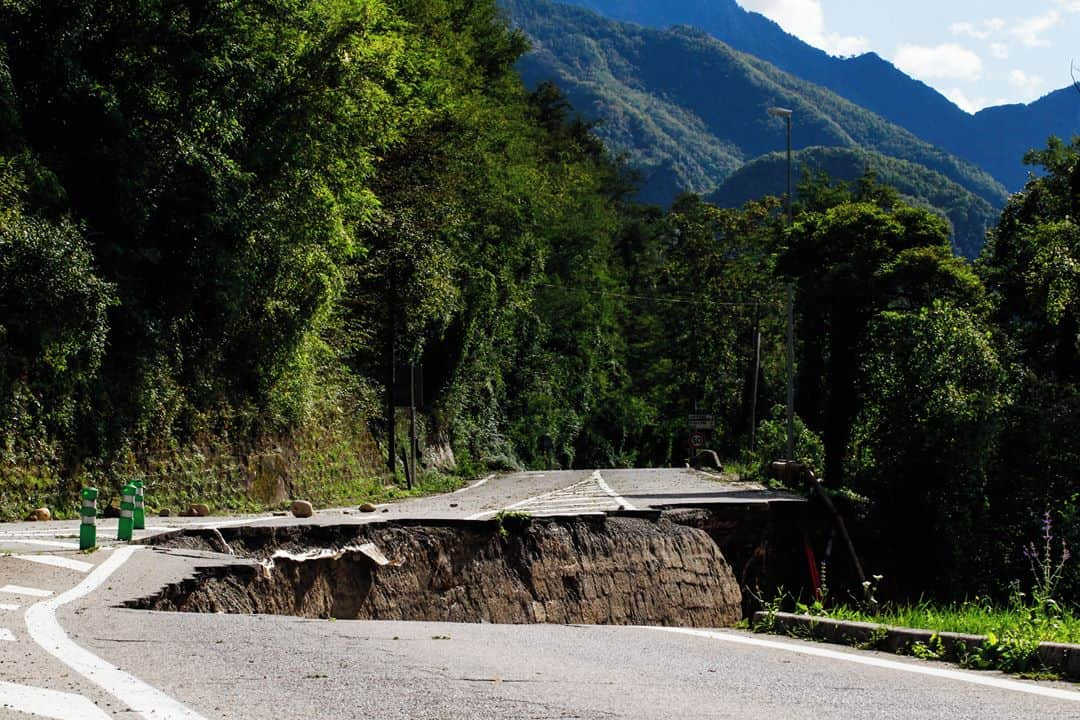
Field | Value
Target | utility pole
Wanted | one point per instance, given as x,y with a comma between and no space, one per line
412,425
391,376
757,372
790,371
786,114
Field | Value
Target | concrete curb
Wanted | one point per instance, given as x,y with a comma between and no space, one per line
1058,657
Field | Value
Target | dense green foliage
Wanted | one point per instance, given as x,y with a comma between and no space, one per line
969,216
210,210
688,130
1031,269
222,224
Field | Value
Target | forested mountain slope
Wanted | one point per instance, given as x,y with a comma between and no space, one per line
688,109
970,216
995,139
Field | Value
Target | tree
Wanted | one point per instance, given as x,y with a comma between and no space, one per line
843,259
1031,266
932,391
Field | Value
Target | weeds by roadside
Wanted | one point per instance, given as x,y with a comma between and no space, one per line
1012,630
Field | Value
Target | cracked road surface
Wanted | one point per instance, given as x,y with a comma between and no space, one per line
68,651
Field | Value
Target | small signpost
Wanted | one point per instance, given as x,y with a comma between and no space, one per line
701,426
702,421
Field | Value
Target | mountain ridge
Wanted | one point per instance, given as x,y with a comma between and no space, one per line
994,138
969,216
682,103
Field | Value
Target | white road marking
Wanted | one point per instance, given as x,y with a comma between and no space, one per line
526,501
56,561
475,485
32,533
46,631
591,496
48,703
627,505
916,668
227,523
20,590
6,634
42,543
8,607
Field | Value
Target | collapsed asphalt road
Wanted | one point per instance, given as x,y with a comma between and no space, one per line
75,652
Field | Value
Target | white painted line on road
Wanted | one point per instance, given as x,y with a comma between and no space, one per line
7,607
227,523
31,533
475,485
573,512
48,703
46,631
42,543
627,505
527,501
20,590
571,503
56,561
971,677
6,634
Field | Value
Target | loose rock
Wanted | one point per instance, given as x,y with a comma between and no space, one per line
200,510
110,511
302,509
367,507
165,512
40,515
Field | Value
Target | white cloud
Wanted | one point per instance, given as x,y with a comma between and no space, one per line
999,50
962,101
1069,6
805,19
948,60
1030,30
845,45
1031,87
969,29
981,31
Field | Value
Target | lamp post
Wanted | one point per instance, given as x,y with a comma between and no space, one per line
786,114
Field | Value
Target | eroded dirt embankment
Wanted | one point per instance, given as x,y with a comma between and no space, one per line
596,570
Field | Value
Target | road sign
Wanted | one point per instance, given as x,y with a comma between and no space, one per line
697,440
702,421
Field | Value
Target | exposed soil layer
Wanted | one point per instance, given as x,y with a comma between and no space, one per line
596,570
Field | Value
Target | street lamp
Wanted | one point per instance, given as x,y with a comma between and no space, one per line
786,114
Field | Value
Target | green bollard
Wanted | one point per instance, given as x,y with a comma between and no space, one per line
127,512
88,513
139,516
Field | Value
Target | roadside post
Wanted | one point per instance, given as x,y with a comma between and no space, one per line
88,515
139,514
127,513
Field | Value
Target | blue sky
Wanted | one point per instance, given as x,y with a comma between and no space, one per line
975,53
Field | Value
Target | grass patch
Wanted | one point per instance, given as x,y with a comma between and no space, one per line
975,617
1012,632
